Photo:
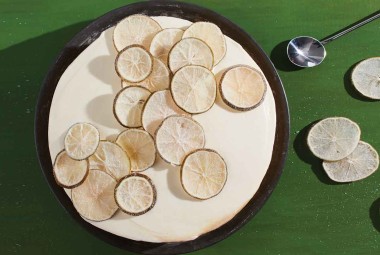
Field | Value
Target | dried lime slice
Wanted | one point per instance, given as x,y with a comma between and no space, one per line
128,105
333,138
212,35
135,29
163,41
158,106
135,194
361,163
242,88
140,148
81,141
94,199
159,79
203,174
190,51
194,89
366,77
134,63
178,136
69,173
112,159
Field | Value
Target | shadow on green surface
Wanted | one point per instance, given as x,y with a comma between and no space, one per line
351,90
302,150
374,214
25,193
280,58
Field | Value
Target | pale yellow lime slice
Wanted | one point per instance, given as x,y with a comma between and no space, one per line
212,35
361,163
242,88
135,29
366,77
112,159
140,148
158,106
163,41
134,64
178,136
333,139
69,173
135,194
203,174
128,105
81,141
94,199
194,89
190,51
159,79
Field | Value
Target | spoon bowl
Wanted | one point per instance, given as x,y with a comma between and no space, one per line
306,51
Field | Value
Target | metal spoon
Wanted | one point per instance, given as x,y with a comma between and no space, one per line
306,51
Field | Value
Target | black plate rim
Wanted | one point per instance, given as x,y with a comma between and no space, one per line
194,13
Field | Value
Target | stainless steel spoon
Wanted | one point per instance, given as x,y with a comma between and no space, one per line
306,51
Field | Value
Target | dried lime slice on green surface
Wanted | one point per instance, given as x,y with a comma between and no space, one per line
361,163
334,138
366,77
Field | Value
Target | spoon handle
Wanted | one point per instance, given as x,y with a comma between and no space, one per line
351,27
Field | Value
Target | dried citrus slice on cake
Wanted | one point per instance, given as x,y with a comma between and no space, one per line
190,51
135,29
366,77
242,88
69,173
203,174
135,194
210,34
112,159
194,89
140,148
94,199
134,64
159,79
361,163
158,106
81,141
333,138
128,105
163,41
178,136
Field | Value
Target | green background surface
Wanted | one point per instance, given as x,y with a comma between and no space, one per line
307,213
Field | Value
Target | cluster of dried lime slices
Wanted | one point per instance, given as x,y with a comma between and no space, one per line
166,75
94,170
345,158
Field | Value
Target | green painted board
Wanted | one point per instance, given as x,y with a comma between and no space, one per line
307,213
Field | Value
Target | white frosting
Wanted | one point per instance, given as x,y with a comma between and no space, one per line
86,91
